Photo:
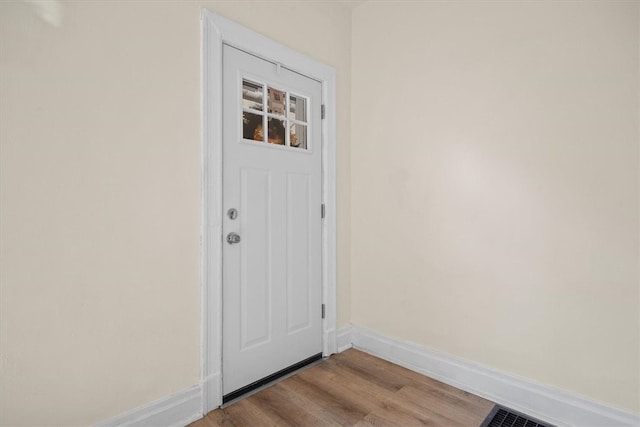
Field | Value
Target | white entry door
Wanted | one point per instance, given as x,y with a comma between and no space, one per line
272,296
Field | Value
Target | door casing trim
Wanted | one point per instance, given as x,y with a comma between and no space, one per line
217,31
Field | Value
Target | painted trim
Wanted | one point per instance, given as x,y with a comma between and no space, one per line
546,403
217,31
540,401
344,338
176,410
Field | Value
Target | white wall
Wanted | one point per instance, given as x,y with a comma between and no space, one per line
100,194
495,186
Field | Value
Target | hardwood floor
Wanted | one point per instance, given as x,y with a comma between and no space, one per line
354,389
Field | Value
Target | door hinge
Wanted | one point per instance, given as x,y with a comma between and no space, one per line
323,311
322,112
322,210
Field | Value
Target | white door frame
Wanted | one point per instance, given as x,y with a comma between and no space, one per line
217,31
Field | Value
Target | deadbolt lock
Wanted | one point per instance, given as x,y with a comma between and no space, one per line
233,238
232,213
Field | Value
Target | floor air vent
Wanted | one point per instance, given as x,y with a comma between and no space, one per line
503,417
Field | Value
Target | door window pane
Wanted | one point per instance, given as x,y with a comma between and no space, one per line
277,99
252,95
298,136
297,108
252,126
276,131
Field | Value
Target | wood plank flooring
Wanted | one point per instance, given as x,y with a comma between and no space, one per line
354,389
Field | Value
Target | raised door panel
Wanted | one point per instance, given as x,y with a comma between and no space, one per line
298,252
255,258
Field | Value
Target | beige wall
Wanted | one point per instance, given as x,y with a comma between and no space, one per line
495,186
100,193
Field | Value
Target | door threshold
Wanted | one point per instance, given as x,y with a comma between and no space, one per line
256,386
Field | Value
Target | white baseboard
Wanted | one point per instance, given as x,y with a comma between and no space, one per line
343,338
545,403
211,392
329,342
177,410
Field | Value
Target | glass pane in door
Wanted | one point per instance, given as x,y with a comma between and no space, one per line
252,95
276,99
298,136
297,108
276,131
252,127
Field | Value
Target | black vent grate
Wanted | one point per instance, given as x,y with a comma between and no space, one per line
502,417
